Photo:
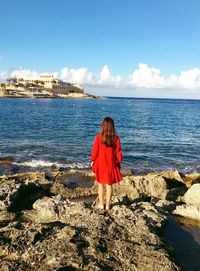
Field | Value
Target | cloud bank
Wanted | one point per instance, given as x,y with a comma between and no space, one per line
83,76
144,77
149,77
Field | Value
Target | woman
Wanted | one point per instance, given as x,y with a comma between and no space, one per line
106,160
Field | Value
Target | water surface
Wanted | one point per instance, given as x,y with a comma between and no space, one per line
156,134
185,238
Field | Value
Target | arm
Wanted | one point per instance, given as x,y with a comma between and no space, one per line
95,149
119,150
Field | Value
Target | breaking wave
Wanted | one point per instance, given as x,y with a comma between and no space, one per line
34,163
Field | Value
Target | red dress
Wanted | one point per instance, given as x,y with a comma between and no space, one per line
107,161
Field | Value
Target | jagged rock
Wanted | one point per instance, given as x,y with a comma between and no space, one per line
59,188
192,196
175,194
191,208
62,234
165,206
151,185
3,205
6,217
50,232
189,211
173,175
190,179
22,189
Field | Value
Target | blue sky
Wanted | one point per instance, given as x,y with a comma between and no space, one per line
130,47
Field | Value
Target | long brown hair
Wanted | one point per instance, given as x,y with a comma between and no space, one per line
108,131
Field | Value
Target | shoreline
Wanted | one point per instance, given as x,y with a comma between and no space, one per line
12,165
61,96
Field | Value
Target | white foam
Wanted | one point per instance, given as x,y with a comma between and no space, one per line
41,163
78,165
35,163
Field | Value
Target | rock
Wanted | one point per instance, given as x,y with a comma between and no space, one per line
3,205
59,188
76,179
6,160
188,222
189,211
175,194
50,232
126,172
60,234
21,190
151,185
53,209
6,217
192,196
190,179
191,208
173,175
165,206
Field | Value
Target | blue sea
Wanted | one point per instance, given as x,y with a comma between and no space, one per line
156,134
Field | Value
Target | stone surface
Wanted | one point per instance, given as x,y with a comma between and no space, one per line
6,216
19,190
173,175
149,185
59,233
42,229
189,211
190,179
192,196
191,208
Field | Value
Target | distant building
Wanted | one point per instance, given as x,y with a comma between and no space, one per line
49,83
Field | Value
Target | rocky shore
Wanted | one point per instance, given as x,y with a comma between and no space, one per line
51,222
47,94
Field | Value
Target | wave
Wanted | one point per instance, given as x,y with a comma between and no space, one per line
42,163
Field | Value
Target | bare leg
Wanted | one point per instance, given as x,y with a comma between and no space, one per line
108,195
101,195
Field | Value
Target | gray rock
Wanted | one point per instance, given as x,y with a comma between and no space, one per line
150,185
53,232
83,238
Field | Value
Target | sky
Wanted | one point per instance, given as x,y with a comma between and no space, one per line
131,48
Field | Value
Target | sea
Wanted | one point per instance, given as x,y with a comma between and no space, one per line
156,134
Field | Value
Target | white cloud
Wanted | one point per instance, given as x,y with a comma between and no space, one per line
80,76
190,79
149,77
105,78
146,77
143,77
84,76
23,73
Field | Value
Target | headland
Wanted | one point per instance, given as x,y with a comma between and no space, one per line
43,86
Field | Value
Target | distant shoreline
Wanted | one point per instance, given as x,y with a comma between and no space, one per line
149,98
70,96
